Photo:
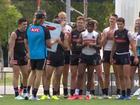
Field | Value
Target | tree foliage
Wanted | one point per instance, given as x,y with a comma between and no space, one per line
96,10
9,14
8,19
28,7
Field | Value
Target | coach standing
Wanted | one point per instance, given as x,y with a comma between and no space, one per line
37,39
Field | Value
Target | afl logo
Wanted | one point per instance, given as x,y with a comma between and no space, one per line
35,29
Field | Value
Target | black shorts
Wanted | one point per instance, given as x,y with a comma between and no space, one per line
37,64
55,59
106,56
90,59
67,57
20,61
122,59
74,59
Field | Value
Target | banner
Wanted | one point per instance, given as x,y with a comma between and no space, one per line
129,10
55,31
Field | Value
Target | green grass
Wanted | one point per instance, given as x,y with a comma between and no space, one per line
9,100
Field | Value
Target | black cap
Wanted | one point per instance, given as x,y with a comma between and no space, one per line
40,15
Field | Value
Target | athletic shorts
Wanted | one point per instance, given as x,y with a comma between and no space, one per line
20,61
67,57
122,59
55,59
38,64
90,59
106,56
74,59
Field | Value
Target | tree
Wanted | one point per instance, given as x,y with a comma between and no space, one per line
97,9
8,19
52,7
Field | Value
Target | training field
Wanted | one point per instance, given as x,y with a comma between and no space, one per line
9,100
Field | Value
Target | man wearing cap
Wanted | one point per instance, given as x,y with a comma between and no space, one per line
37,39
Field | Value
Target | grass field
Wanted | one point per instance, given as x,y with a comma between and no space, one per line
9,100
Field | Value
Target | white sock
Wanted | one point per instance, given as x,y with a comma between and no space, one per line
87,92
77,91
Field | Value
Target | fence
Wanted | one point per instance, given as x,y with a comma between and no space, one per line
112,88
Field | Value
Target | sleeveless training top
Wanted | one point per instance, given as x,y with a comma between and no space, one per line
110,34
122,39
19,49
89,37
75,35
